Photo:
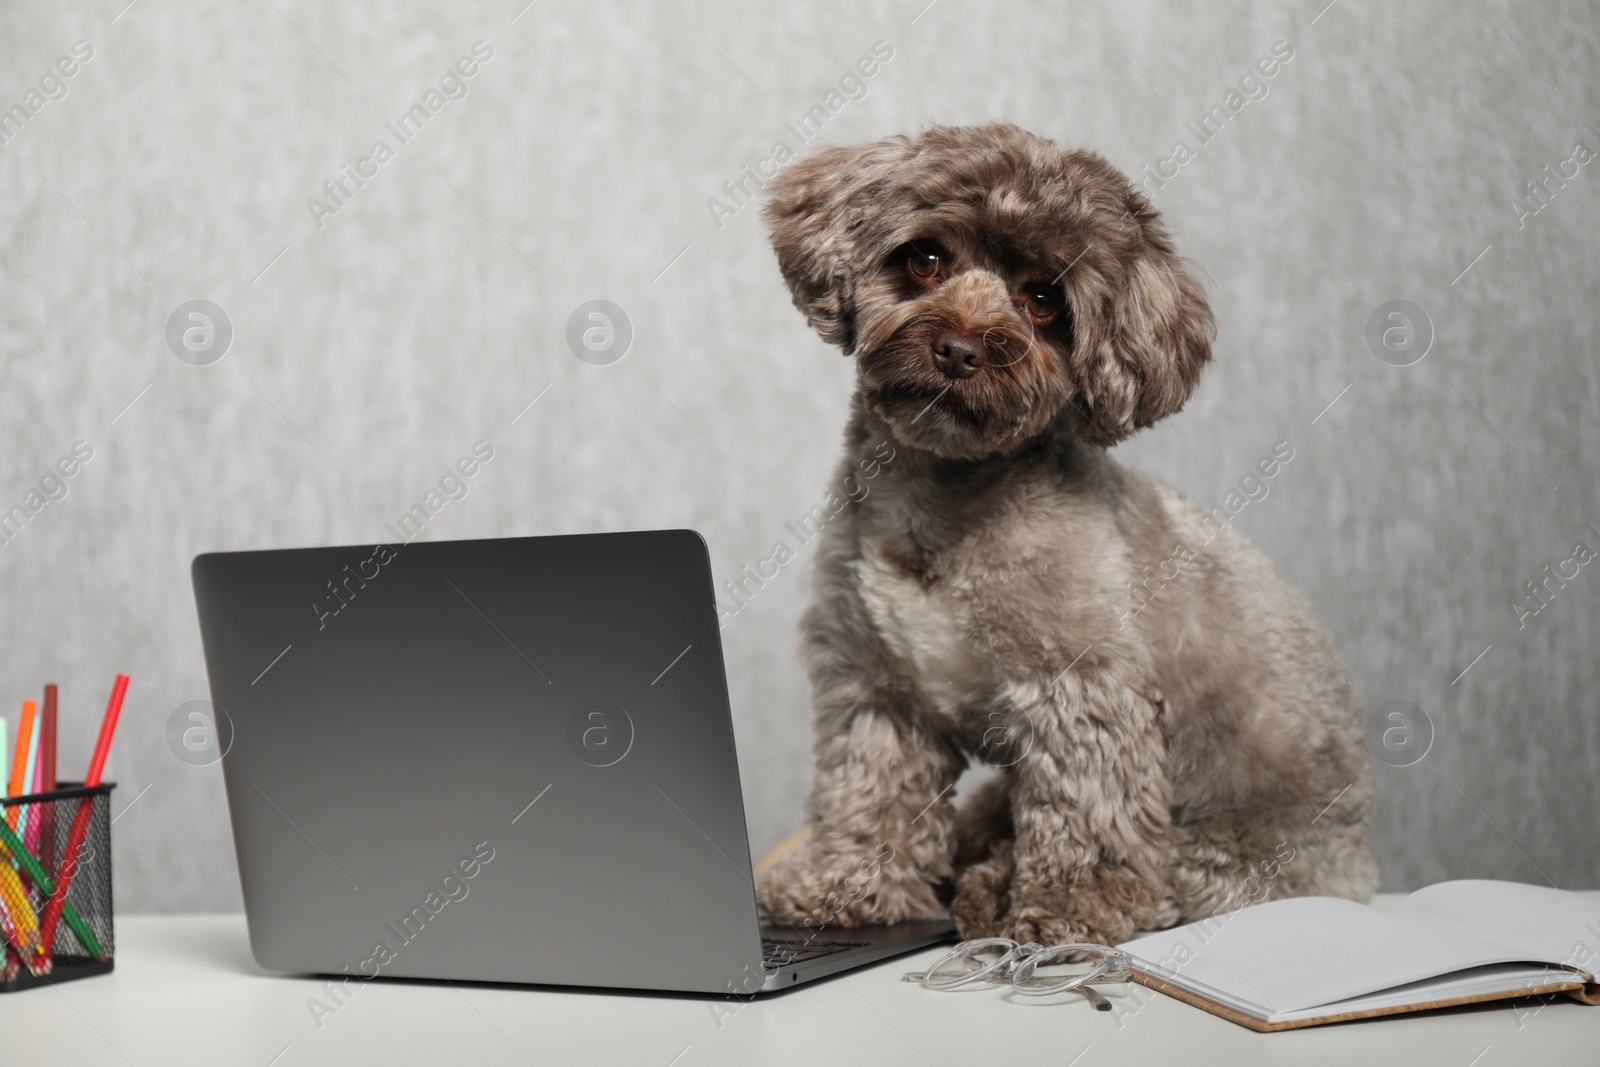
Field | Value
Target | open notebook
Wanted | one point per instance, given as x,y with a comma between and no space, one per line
1313,960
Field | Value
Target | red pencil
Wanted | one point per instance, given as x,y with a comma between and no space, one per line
47,782
108,726
80,824
47,742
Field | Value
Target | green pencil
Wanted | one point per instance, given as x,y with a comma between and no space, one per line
47,887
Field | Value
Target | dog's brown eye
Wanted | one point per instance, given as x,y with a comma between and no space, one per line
923,263
1042,304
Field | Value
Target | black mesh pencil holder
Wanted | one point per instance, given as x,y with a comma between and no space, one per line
55,887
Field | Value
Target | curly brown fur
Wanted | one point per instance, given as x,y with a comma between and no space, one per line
1013,309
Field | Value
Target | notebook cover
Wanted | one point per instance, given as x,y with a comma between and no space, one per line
1587,994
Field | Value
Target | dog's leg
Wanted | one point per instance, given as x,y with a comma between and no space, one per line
1292,850
1092,808
879,811
881,835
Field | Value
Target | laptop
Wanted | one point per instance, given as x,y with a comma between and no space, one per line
504,760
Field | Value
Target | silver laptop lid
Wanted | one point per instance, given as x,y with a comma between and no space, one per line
504,760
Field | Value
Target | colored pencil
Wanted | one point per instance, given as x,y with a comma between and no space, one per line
9,843
24,921
26,820
80,825
9,929
8,954
108,727
19,759
47,782
10,935
20,917
47,743
8,942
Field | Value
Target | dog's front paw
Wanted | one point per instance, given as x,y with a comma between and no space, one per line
983,895
820,887
1090,909
1028,924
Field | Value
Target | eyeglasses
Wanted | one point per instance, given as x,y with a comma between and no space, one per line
1033,970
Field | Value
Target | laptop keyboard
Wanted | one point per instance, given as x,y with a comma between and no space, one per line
781,952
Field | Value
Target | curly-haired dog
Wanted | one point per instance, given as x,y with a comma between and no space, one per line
1014,309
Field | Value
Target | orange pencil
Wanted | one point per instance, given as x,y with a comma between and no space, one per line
19,762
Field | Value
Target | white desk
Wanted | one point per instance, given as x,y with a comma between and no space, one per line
186,991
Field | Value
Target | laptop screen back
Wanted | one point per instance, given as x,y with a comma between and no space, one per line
504,760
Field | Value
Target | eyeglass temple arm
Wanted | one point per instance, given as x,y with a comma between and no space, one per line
1100,1003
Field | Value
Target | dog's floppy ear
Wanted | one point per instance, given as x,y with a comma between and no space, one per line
816,209
1141,352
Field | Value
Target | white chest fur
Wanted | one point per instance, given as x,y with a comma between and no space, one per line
927,629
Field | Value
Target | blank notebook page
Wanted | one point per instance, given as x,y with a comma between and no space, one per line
1289,955
1565,926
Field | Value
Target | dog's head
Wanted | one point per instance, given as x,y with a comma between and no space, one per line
990,283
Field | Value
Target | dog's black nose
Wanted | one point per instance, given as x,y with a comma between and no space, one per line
957,354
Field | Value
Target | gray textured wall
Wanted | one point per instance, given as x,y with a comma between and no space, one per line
427,312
